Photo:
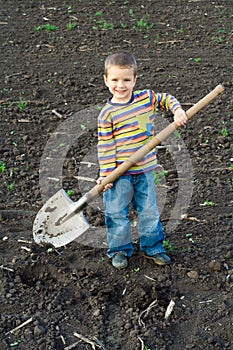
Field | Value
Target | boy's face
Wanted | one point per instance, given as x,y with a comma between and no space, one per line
120,82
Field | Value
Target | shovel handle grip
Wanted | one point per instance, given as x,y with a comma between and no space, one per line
155,141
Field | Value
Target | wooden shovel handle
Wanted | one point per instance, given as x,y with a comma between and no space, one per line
155,141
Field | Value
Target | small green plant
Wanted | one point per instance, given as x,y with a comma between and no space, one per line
231,166
143,24
123,25
136,269
158,177
146,347
196,59
189,236
157,38
2,166
69,8
22,104
69,193
177,134
10,186
37,28
224,131
49,27
168,245
207,202
181,30
131,13
101,23
70,25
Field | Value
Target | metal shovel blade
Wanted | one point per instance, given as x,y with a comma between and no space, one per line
49,228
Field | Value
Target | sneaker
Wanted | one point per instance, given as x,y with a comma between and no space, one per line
161,259
119,261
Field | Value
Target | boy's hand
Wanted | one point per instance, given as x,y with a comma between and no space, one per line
180,117
100,179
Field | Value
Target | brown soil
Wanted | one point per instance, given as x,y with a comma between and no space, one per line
74,289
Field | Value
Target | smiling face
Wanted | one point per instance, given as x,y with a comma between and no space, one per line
120,82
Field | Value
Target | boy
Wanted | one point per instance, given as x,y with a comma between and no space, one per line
125,124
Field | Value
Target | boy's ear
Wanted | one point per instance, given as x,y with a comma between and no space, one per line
106,80
135,80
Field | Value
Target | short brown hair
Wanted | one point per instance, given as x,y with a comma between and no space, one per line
121,59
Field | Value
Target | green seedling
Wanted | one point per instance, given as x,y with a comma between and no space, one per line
69,193
102,24
131,12
22,104
123,25
177,134
14,144
224,132
189,236
197,59
37,28
231,166
219,40
157,38
10,186
143,24
69,9
2,166
207,202
136,269
158,177
168,246
181,30
146,347
49,27
71,26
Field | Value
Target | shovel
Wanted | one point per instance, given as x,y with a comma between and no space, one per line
61,220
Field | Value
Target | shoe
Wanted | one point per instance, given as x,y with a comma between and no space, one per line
119,261
161,259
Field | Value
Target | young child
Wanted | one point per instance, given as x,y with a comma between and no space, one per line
125,124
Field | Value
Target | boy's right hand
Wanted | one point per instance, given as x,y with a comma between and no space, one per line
99,181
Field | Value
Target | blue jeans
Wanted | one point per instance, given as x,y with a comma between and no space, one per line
140,191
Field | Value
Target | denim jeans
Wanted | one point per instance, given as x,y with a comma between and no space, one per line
140,191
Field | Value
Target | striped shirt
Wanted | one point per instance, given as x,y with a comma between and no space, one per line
124,128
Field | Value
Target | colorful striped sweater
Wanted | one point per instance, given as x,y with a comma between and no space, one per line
124,128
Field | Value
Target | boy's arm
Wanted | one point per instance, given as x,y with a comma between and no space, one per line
167,102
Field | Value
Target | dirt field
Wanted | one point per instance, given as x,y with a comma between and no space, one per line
51,57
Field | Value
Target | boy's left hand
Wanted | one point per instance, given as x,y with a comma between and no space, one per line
180,117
